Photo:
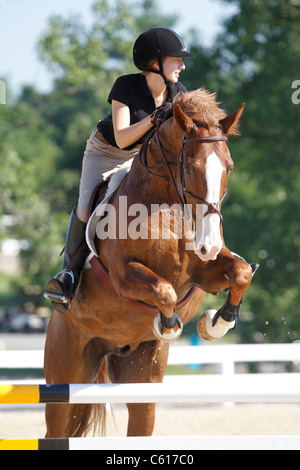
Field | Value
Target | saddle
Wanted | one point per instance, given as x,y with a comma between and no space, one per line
98,196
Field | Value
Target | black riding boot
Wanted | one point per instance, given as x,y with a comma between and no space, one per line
61,288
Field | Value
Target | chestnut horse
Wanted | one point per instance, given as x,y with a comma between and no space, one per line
104,336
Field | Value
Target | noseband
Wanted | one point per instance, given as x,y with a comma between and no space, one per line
212,207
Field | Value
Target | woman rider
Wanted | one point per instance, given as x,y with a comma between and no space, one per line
137,100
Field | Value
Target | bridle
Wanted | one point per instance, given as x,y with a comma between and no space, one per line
212,207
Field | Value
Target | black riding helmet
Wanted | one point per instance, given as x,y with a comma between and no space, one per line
156,43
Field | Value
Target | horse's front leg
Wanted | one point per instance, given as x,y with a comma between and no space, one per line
231,273
134,281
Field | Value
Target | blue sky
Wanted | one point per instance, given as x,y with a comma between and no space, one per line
23,21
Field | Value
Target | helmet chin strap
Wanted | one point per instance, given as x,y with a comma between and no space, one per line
167,82
160,71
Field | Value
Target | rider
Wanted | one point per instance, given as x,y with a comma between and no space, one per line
138,101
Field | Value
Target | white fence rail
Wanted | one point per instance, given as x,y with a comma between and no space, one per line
204,388
225,356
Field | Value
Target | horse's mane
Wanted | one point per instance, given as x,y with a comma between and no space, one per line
201,106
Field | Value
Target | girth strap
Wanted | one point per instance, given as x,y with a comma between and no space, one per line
102,275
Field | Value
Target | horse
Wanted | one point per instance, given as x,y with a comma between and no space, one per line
119,331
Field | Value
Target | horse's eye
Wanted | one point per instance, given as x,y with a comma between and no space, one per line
188,170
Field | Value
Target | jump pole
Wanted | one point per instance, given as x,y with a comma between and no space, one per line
239,388
177,444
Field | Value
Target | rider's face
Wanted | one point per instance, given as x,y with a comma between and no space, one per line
172,67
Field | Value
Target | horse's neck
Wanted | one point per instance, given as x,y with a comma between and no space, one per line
150,177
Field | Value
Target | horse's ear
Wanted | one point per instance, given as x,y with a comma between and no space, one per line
182,120
230,123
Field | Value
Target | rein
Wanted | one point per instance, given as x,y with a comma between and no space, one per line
212,207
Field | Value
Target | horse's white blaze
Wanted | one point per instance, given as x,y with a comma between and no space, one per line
208,241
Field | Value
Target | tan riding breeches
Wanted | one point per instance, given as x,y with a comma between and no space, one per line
99,162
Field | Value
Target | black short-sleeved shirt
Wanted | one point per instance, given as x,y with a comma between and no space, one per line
132,90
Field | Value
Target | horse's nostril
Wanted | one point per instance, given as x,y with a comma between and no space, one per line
203,250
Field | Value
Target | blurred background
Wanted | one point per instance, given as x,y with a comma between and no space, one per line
58,62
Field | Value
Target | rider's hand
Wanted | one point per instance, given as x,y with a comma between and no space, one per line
158,116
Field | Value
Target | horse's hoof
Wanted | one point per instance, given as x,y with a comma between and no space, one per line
207,331
157,329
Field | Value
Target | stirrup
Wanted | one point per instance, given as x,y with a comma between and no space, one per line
61,298
65,271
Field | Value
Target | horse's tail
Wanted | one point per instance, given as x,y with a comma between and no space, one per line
87,418
90,417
